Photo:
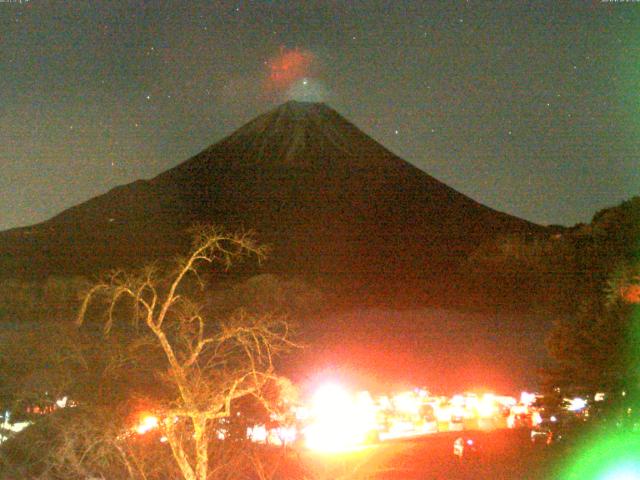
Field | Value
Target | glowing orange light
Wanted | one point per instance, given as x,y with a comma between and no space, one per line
147,423
341,421
407,402
631,293
487,406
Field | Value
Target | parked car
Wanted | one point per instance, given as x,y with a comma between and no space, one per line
546,432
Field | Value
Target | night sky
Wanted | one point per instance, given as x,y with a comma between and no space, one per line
530,109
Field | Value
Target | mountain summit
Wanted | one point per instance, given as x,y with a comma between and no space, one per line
331,202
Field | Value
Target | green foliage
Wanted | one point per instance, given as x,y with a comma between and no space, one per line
555,271
617,231
535,272
593,350
596,347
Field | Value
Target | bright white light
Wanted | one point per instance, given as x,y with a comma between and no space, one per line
626,471
407,402
536,418
285,435
257,434
527,398
487,406
148,422
340,420
576,404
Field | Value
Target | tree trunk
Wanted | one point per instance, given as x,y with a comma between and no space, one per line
201,440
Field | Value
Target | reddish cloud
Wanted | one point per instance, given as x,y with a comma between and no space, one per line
290,66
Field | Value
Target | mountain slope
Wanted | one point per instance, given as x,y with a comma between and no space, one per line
330,200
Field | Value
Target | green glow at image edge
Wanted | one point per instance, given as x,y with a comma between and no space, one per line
616,457
610,455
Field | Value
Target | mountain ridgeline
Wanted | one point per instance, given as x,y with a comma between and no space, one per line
334,205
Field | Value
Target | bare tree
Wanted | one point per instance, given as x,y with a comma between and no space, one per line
207,364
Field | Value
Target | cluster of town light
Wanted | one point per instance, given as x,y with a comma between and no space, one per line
337,420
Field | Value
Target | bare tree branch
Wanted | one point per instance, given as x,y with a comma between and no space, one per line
210,363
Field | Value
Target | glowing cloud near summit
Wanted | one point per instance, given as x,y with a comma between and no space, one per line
289,66
293,74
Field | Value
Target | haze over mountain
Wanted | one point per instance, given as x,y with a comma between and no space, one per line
330,201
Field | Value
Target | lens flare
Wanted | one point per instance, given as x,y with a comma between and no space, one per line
625,471
340,421
607,458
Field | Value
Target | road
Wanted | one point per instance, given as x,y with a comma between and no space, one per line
502,454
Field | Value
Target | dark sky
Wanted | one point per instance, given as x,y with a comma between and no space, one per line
532,109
